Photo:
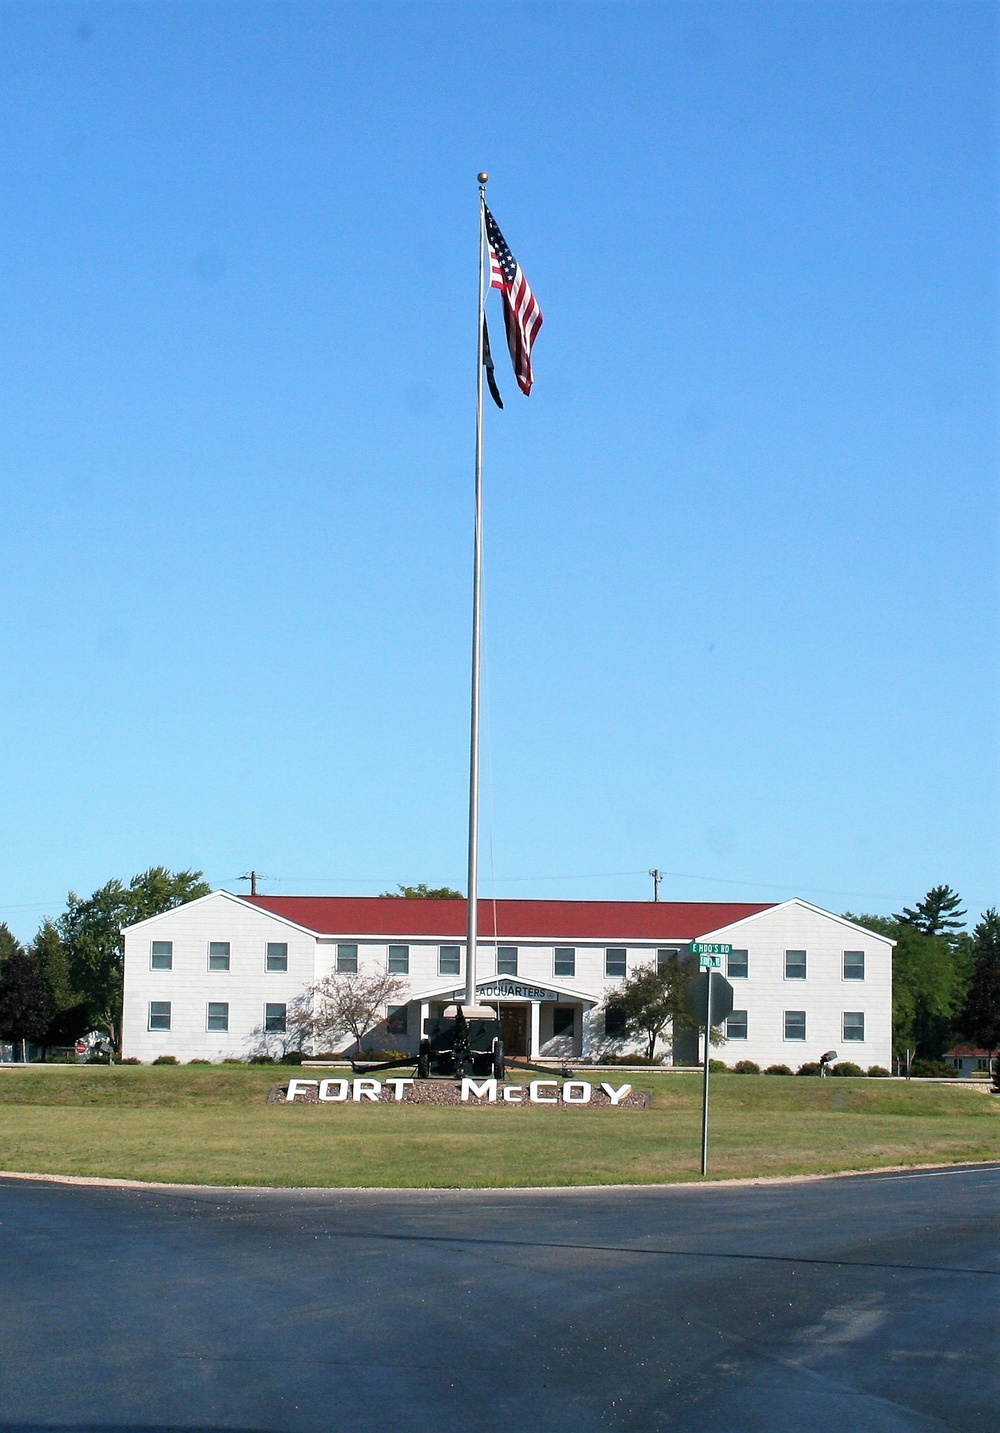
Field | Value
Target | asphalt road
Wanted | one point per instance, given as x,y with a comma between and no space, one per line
834,1306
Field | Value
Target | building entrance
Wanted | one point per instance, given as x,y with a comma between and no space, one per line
514,1029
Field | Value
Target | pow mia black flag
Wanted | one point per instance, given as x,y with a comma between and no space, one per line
488,365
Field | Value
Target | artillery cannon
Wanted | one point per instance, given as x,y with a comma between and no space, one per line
464,1040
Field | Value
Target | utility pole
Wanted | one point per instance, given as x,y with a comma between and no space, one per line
253,877
657,878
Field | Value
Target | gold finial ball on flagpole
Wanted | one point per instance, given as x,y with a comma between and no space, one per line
483,177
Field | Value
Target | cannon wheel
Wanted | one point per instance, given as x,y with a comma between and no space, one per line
424,1060
498,1060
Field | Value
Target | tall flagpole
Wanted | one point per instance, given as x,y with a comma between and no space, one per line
472,899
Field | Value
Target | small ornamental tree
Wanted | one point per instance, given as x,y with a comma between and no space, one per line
352,1003
653,998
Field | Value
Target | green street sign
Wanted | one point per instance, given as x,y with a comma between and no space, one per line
710,962
700,947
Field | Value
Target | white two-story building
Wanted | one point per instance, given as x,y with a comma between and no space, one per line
216,977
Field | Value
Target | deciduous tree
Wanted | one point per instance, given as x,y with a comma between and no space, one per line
91,931
929,978
424,893
352,1003
653,998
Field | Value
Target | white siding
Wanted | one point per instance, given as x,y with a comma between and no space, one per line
824,995
189,986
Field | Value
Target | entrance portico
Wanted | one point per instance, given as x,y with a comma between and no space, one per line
537,1021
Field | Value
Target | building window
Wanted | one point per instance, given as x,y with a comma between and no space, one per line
854,1024
399,960
396,1021
565,961
275,1019
161,956
614,962
854,965
738,964
218,955
449,960
277,955
506,960
795,1024
614,1022
217,1016
664,957
347,959
159,1015
563,1020
795,965
736,1025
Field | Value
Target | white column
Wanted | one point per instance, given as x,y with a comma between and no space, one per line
425,1010
533,1040
586,1012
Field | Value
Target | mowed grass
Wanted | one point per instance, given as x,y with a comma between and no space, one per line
211,1125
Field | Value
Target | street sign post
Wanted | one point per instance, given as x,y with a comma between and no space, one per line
710,962
709,1000
708,947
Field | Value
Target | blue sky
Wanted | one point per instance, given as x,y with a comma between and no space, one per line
741,539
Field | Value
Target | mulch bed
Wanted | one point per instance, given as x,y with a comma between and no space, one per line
447,1092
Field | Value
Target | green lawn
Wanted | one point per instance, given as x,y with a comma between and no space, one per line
211,1125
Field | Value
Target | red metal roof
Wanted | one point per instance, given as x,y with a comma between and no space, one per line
524,920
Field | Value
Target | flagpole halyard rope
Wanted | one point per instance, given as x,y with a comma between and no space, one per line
472,901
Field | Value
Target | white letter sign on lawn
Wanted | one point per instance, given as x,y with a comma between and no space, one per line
535,1092
577,1092
294,1086
487,1090
615,1095
332,1090
367,1090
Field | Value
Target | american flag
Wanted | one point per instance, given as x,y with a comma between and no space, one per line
521,313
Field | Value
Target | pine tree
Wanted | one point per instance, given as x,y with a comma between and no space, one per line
936,914
69,1014
9,943
980,1019
25,1008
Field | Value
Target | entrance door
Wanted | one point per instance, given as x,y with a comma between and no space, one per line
514,1029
